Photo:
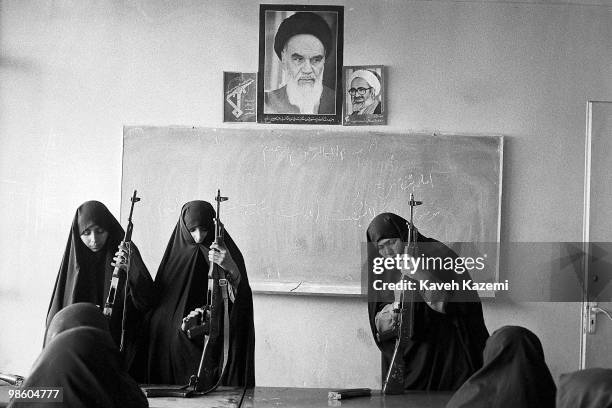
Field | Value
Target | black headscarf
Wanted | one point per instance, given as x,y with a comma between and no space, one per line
76,315
82,358
84,276
590,388
514,374
446,347
182,282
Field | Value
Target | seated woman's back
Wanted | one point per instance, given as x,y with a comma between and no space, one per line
514,374
590,388
81,358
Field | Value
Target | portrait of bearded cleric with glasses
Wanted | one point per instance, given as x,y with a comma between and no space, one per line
363,103
300,74
364,92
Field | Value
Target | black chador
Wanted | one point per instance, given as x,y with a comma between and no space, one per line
84,276
590,388
446,346
81,358
182,281
514,374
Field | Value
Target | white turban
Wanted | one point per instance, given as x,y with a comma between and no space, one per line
369,77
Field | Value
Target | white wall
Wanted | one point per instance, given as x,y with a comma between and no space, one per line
72,73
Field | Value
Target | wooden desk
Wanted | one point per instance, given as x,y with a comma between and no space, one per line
262,397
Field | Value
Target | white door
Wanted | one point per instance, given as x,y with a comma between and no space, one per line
597,306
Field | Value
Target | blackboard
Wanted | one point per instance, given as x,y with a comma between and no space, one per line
301,200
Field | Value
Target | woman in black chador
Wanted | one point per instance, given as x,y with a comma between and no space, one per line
92,250
81,358
448,328
182,281
514,374
590,388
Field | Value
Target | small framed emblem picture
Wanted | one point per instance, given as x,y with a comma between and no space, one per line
239,97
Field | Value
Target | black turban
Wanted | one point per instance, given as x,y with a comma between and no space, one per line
302,23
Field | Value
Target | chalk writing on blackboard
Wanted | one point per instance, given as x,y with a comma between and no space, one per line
302,199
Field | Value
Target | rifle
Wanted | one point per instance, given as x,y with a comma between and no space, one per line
394,380
210,311
112,292
12,379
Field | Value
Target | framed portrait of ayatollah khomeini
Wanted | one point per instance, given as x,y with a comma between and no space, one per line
300,64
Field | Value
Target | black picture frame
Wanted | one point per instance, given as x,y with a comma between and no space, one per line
273,104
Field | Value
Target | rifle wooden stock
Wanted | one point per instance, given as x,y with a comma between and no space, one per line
394,380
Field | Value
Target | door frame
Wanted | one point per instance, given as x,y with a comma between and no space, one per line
586,218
